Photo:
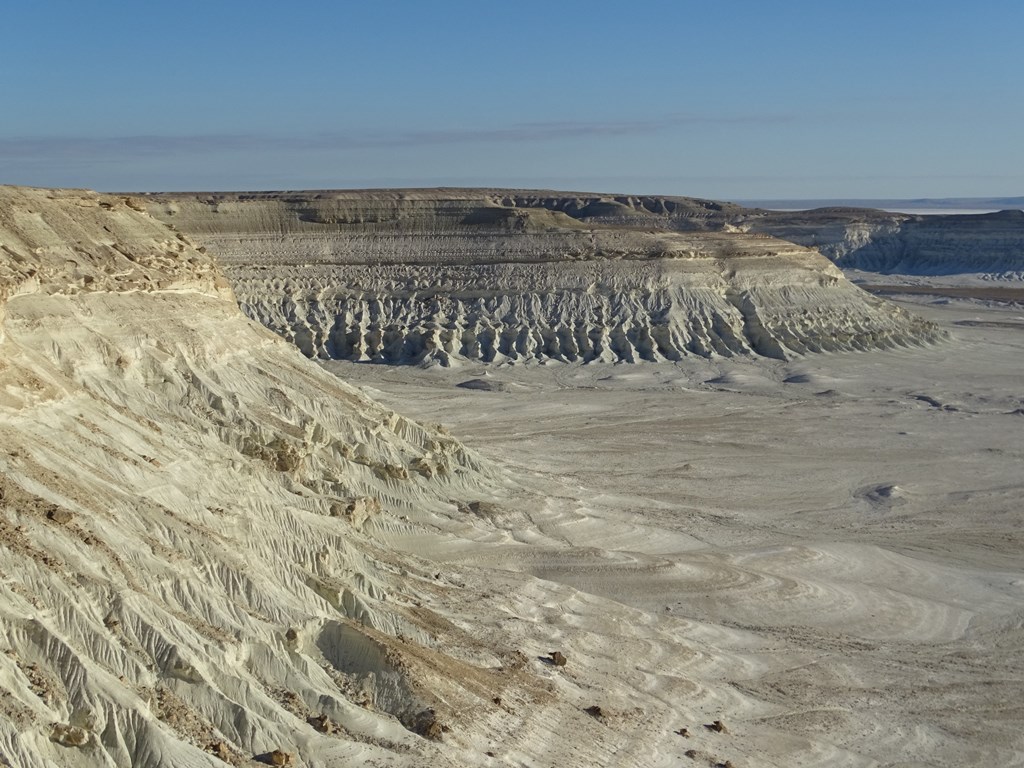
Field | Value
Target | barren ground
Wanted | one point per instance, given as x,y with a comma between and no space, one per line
845,529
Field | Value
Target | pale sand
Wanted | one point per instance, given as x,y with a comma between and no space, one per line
837,540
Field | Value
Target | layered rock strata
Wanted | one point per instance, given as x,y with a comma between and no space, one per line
186,515
990,244
411,276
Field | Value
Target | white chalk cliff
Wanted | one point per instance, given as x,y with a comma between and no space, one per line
214,552
990,244
449,275
188,574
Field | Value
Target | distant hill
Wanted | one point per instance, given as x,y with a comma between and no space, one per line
943,203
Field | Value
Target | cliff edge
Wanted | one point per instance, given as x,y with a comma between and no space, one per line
188,517
412,276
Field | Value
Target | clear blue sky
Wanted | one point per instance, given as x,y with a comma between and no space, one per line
729,99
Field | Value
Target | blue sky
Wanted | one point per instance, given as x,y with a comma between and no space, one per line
721,98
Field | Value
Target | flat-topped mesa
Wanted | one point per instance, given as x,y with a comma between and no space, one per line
436,209
108,291
407,276
878,241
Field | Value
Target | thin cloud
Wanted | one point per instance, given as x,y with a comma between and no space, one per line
100,148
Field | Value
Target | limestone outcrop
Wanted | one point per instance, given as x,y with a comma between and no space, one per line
990,244
168,478
448,275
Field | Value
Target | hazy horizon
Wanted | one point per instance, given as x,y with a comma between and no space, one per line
729,102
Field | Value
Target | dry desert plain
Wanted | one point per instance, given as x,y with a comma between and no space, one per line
836,541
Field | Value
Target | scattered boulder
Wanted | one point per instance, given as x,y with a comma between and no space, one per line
276,757
390,472
718,727
356,510
286,457
423,465
684,732
279,454
427,725
482,509
483,385
324,724
291,635
691,753
68,735
60,515
595,711
219,750
558,658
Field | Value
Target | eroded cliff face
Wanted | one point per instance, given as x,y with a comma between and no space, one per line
187,517
413,276
211,551
989,244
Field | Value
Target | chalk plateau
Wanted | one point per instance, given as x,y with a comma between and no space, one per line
214,550
990,245
188,566
415,276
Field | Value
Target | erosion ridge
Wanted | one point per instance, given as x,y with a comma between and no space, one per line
404,276
187,516
213,551
989,244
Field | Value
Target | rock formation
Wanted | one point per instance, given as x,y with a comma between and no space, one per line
991,244
412,276
209,546
168,476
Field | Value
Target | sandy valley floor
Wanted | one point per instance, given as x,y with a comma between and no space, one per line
842,534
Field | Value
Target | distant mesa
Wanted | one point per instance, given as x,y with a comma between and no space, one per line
989,244
442,275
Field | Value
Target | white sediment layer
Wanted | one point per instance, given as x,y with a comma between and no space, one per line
186,507
448,278
214,551
988,244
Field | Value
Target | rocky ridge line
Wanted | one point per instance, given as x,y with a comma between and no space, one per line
188,513
406,276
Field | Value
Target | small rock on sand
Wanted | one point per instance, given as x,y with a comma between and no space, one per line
219,750
324,724
60,515
69,735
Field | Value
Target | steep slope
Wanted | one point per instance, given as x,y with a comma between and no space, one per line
213,552
448,275
895,243
185,508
